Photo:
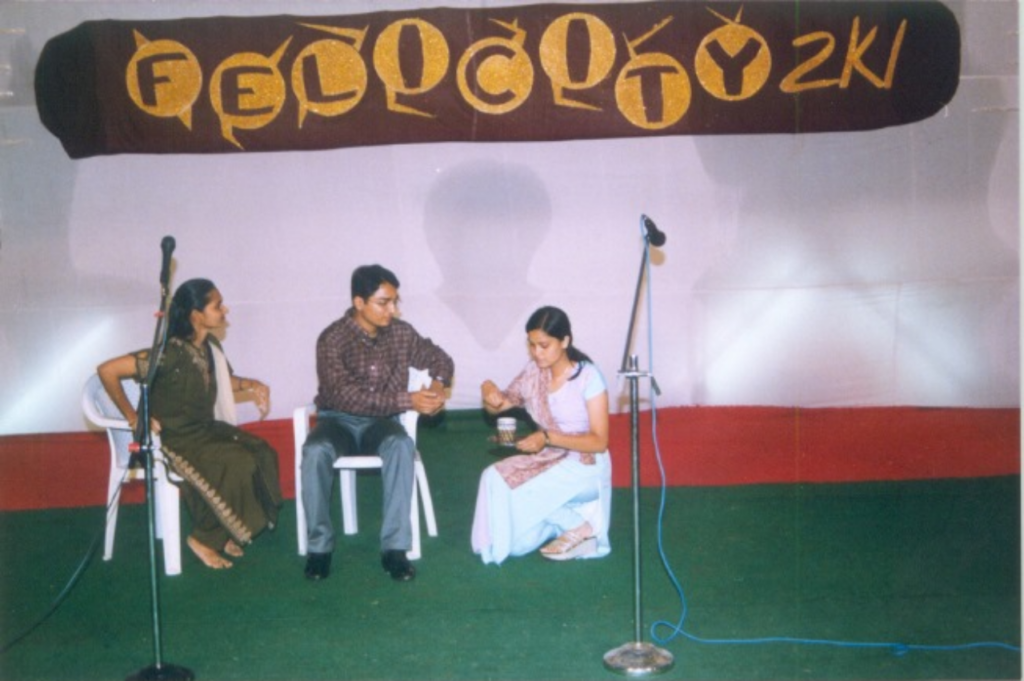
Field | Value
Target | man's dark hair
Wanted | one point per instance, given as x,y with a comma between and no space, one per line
366,279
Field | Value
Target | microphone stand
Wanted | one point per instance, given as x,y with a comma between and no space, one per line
158,671
637,658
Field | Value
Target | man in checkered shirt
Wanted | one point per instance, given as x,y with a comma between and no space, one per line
363,362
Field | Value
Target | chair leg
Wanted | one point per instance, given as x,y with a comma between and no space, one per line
349,514
111,526
428,502
158,506
300,510
169,523
300,524
414,522
420,494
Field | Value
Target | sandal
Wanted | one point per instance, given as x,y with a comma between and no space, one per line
572,544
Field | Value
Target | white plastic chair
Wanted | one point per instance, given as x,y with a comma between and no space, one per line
348,466
101,411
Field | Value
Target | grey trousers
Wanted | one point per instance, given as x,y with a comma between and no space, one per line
337,434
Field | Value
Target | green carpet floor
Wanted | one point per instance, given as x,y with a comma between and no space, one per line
918,563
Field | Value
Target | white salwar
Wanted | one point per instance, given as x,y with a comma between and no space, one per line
516,521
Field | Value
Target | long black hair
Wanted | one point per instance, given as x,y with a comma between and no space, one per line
555,323
194,294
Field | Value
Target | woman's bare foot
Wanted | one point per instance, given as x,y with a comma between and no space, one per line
233,549
210,558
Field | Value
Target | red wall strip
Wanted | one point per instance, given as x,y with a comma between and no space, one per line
699,446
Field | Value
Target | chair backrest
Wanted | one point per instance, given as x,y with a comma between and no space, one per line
102,412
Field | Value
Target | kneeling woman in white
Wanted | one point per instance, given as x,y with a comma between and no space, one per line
558,490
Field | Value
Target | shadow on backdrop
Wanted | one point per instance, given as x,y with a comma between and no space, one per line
484,221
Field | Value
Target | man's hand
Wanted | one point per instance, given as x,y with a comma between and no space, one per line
430,400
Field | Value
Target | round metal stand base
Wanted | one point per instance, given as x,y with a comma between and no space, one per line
638,659
167,672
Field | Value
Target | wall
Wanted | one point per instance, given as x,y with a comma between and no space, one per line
859,269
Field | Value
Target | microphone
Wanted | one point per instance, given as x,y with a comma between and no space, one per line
167,246
655,236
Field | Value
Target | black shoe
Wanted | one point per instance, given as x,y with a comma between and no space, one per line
318,566
397,565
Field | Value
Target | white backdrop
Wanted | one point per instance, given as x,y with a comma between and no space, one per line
871,268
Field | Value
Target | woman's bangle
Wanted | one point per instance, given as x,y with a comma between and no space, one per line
547,439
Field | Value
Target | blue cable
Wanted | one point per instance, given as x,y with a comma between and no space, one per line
676,629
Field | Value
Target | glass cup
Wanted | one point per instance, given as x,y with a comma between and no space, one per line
507,431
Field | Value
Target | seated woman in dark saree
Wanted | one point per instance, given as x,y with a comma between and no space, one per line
232,488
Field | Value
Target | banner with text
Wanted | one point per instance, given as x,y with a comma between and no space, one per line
527,73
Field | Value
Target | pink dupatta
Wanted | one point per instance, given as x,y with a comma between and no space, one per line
530,390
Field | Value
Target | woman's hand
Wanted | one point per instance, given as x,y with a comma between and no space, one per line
532,443
154,425
493,398
261,396
260,393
